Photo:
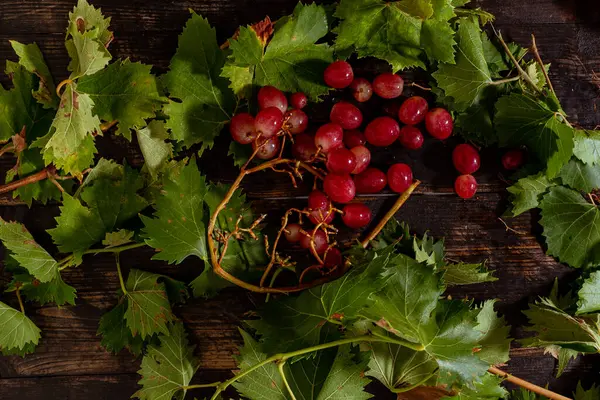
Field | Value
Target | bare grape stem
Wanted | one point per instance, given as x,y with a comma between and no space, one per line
527,385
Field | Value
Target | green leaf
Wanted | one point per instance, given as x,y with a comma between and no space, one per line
148,309
527,193
495,340
55,291
591,394
117,238
204,101
25,250
580,176
18,332
571,227
240,153
466,81
524,394
488,389
156,151
125,92
521,120
167,368
429,251
115,334
589,294
31,58
291,61
587,146
467,274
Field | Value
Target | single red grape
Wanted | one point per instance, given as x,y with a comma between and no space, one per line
439,123
298,100
341,161
465,186
388,85
413,110
411,137
333,258
318,200
356,215
338,74
304,148
319,238
268,122
269,147
329,136
399,177
354,138
339,188
371,180
292,232
363,158
382,131
346,115
270,96
512,159
361,89
465,158
242,128
296,121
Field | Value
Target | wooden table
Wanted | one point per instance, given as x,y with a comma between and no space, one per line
71,364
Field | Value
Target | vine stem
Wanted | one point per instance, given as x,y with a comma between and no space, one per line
121,281
64,263
38,176
522,73
527,385
280,367
538,59
506,80
17,292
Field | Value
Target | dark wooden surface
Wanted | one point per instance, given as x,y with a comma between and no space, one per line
71,364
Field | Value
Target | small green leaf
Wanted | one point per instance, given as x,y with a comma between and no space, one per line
580,176
495,340
527,193
591,394
467,274
55,291
115,334
117,238
587,146
589,294
18,332
32,59
156,151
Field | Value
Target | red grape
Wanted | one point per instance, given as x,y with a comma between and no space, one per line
341,161
292,233
465,158
354,138
382,131
298,100
268,122
371,180
329,136
333,258
465,186
413,110
320,241
388,85
318,216
411,137
269,147
356,215
339,188
304,148
318,200
270,96
346,115
399,177
439,123
296,121
338,74
242,128
361,89
363,158
512,159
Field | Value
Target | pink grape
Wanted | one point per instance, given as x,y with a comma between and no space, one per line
413,110
356,215
388,85
513,159
269,147
341,161
363,158
296,121
382,131
292,233
411,137
439,123
268,122
329,136
354,138
304,148
339,188
338,74
465,186
346,115
318,200
465,158
298,100
371,180
270,96
320,241
361,89
242,128
399,177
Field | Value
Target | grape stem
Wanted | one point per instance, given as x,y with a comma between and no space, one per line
538,59
18,293
522,73
527,385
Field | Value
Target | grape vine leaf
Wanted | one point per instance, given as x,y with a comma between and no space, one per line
527,193
467,274
495,340
524,394
487,389
591,394
429,251
124,91
167,368
204,103
31,58
87,40
521,120
571,227
589,294
115,333
155,149
117,238
291,61
55,291
580,176
19,334
25,250
587,146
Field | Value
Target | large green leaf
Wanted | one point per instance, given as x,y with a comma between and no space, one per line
527,193
587,146
495,340
589,294
580,176
18,332
32,59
